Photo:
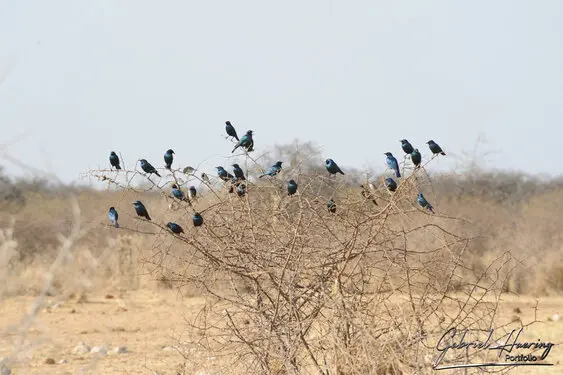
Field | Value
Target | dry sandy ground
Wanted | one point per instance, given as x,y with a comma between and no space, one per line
145,322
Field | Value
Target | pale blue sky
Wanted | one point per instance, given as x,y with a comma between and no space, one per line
139,77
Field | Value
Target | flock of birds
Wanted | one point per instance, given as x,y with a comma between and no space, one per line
237,180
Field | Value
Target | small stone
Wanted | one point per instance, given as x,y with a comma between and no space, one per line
554,318
168,348
49,361
81,348
4,370
120,350
63,361
515,318
109,296
517,310
73,311
101,350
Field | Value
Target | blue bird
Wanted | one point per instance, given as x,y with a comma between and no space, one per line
193,192
239,174
177,193
416,158
198,219
112,214
291,187
332,167
231,130
273,170
114,160
407,147
141,210
331,205
169,158
147,167
245,142
435,148
424,203
391,184
367,195
223,174
241,190
393,164
175,228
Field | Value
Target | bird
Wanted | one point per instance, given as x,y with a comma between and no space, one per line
331,205
332,167
168,158
424,203
245,142
231,130
175,228
147,167
188,170
192,192
393,164
239,174
391,184
291,187
273,170
198,219
366,194
241,190
112,214
141,210
223,174
416,158
204,177
177,193
435,148
407,147
114,160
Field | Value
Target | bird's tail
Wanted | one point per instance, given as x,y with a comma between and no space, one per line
430,208
262,175
236,136
341,172
397,173
117,167
156,173
443,153
374,202
116,224
148,217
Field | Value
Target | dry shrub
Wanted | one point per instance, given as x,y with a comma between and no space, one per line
293,288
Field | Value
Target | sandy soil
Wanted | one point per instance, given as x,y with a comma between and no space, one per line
146,322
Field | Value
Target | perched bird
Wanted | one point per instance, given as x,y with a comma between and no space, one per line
241,190
391,184
177,193
175,228
204,177
332,167
416,158
188,170
168,158
407,147
291,187
239,174
141,210
273,170
112,214
114,160
393,164
192,192
198,219
223,174
435,148
245,142
147,167
331,205
366,194
424,203
231,130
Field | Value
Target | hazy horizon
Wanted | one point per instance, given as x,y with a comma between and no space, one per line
82,79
